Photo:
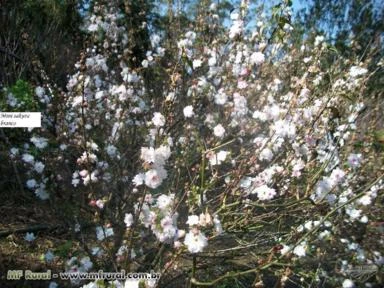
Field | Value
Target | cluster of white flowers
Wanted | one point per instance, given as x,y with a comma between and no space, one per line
155,159
39,188
264,192
356,71
217,158
195,240
237,26
159,217
257,58
185,45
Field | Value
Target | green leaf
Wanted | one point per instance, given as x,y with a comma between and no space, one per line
379,136
64,249
333,48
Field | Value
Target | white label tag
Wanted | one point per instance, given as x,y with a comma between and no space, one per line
20,119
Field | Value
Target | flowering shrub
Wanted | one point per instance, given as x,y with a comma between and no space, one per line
231,143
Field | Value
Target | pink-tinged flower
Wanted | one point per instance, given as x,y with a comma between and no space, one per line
245,72
236,28
304,93
100,204
208,219
296,170
240,105
92,203
337,176
148,198
272,112
83,173
153,179
166,221
310,140
241,84
202,221
264,192
354,160
157,157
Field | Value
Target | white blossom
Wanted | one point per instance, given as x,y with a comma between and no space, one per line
39,142
158,119
221,98
193,220
348,283
153,178
138,179
300,250
30,237
257,58
39,167
195,241
102,233
264,192
128,219
197,63
188,111
354,160
164,201
219,131
356,71
31,183
28,158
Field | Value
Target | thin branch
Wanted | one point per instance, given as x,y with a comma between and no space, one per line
9,53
